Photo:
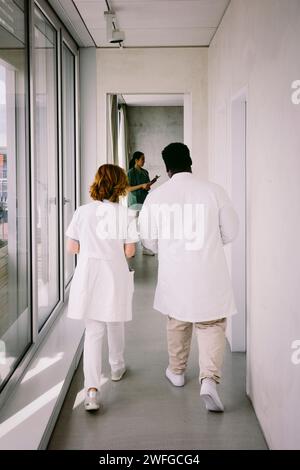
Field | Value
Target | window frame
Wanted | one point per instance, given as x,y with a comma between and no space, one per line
67,41
45,10
20,364
63,36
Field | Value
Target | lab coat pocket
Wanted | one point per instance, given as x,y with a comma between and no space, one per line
78,295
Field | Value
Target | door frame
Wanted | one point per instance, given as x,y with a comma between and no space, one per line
239,189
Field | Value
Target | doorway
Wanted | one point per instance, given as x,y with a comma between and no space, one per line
239,190
146,123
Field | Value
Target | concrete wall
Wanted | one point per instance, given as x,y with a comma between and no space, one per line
151,128
257,48
159,71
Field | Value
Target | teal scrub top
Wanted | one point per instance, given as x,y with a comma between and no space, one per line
136,177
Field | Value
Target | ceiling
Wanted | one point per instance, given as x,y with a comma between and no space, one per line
146,23
154,100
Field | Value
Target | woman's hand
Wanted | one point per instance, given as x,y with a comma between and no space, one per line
73,246
145,186
129,249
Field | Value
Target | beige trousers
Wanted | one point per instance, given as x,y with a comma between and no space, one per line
211,346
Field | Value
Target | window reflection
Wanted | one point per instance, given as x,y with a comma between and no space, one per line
68,102
46,165
15,319
16,262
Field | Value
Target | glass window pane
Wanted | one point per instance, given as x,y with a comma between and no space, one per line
68,107
15,318
45,56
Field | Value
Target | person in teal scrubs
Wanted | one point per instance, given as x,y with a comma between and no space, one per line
139,185
139,181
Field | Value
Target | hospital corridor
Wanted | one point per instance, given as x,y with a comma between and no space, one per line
146,405
149,226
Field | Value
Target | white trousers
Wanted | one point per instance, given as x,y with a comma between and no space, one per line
92,354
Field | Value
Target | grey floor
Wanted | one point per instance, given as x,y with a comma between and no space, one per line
144,411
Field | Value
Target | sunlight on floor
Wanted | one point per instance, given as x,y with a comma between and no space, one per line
42,364
18,418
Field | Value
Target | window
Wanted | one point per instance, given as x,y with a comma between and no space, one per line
37,176
15,314
46,162
69,153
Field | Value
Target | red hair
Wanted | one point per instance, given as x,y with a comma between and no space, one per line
110,183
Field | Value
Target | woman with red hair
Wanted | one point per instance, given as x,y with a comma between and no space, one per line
104,234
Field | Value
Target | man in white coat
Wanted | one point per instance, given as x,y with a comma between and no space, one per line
187,221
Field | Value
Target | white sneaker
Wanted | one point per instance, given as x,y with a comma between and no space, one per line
176,379
148,252
210,395
91,402
118,374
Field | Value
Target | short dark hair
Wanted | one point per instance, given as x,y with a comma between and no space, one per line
177,157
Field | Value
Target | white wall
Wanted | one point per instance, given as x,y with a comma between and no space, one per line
257,47
161,70
151,128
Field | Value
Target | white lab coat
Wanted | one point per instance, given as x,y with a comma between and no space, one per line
102,285
193,279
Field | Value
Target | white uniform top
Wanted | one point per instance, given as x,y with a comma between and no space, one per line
102,285
193,279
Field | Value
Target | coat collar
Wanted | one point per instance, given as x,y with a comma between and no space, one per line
181,175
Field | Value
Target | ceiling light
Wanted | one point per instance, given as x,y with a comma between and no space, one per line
112,33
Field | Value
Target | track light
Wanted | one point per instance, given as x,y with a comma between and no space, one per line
112,33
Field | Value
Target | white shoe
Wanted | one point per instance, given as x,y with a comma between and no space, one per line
91,402
176,379
210,395
148,252
118,374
